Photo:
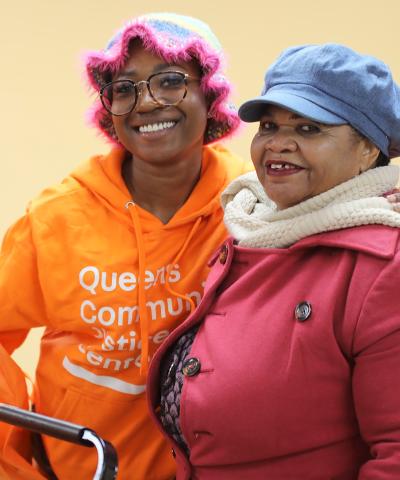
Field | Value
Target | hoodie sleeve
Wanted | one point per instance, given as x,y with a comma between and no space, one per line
15,442
21,300
376,386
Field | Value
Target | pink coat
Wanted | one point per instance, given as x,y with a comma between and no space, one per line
300,362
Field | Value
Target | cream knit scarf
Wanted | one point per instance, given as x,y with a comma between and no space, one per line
254,220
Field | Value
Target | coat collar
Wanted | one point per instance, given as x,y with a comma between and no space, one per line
378,240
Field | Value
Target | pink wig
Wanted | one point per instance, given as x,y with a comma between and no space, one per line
174,38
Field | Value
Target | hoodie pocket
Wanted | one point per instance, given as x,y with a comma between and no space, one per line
121,422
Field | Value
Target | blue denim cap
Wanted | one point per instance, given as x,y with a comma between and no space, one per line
335,85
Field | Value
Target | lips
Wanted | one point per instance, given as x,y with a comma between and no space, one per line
281,167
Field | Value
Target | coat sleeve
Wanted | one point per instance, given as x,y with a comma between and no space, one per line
376,376
21,299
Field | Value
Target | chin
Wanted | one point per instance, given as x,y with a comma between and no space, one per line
282,204
155,154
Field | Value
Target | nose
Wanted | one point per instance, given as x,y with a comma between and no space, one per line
280,142
145,102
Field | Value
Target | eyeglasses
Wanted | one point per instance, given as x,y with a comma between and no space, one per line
165,88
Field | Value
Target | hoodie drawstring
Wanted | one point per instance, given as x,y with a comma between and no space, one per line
176,259
143,314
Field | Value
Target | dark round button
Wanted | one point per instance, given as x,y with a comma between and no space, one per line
191,367
223,254
173,453
303,311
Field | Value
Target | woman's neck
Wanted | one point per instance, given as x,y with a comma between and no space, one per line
161,189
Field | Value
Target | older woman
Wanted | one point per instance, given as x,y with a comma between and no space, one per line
289,368
115,257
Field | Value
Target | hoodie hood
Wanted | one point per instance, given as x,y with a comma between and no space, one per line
102,176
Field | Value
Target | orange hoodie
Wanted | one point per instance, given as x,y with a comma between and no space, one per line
109,281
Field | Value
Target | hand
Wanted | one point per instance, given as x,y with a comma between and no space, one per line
394,198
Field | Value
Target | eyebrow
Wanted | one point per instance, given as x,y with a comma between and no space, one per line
133,73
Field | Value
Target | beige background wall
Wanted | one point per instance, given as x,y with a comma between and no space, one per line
43,100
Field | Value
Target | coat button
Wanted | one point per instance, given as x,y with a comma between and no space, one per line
173,453
303,311
223,255
191,367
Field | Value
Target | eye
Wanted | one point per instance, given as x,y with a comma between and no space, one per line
169,80
267,127
309,128
120,89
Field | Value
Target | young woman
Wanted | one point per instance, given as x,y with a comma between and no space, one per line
115,257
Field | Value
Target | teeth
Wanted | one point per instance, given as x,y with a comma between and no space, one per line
156,127
279,166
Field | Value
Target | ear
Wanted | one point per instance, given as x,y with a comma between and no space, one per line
368,154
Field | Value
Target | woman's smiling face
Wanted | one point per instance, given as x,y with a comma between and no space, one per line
179,130
296,158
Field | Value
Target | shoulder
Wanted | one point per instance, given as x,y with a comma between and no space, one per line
378,241
57,200
59,208
379,315
65,197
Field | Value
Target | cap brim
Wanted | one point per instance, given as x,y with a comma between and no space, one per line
252,110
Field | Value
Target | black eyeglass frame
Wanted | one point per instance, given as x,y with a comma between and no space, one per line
185,77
